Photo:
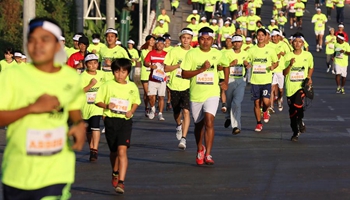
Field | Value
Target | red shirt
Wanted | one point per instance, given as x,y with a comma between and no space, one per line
345,35
155,57
75,59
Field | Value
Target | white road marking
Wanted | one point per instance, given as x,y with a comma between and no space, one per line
340,119
323,101
348,130
330,108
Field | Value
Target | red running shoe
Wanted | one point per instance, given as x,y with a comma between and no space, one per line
266,117
200,156
209,160
258,127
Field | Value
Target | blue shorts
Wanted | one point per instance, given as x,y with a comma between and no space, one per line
260,91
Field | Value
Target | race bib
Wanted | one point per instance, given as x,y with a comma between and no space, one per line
226,35
45,142
244,23
320,24
331,45
252,22
205,78
297,76
159,75
278,2
259,69
90,97
339,55
179,72
208,4
121,105
236,71
300,10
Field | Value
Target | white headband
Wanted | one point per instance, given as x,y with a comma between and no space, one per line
17,54
62,38
183,32
90,57
274,33
76,37
206,33
340,37
237,38
111,31
301,37
131,42
48,26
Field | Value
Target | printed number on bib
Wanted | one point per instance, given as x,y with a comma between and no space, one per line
297,76
339,55
121,105
259,69
331,46
236,71
90,97
159,75
252,22
178,72
320,24
206,78
45,142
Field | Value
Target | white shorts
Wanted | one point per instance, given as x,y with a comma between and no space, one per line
155,88
199,108
342,71
278,78
319,32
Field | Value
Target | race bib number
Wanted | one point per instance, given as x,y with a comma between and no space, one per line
179,72
297,76
252,22
236,71
205,78
339,55
259,69
45,142
90,97
331,45
121,105
320,24
226,35
159,75
300,10
244,23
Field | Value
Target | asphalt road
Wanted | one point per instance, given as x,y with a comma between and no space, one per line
250,165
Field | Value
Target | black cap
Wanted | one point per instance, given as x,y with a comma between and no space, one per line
160,39
84,40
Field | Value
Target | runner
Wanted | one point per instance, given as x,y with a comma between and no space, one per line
157,78
76,60
200,66
163,16
134,58
330,42
341,30
242,21
195,15
339,4
159,31
96,45
342,52
291,13
235,92
145,71
300,7
75,47
179,87
195,28
281,20
263,60
167,48
92,79
225,32
319,19
299,65
330,7
18,58
119,98
8,61
252,19
42,98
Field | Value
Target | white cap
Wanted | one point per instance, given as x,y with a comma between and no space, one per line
281,11
118,42
274,33
203,18
341,26
62,38
90,57
318,9
161,21
237,38
214,46
273,21
76,37
267,31
131,42
214,21
194,11
24,56
111,30
17,54
95,41
228,18
248,39
227,22
183,32
338,36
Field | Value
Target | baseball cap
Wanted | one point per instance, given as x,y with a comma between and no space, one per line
90,56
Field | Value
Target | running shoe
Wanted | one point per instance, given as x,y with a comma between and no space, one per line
271,110
329,68
342,91
302,127
291,27
114,180
317,48
227,123
151,114
235,131
168,107
93,155
294,138
209,160
179,132
103,130
258,127
200,156
266,117
295,24
223,108
160,117
182,144
338,90
333,71
146,112
280,105
120,188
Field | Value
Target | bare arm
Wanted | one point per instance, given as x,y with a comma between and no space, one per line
170,68
78,130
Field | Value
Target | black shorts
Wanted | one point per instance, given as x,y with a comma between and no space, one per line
291,15
260,91
118,132
60,191
94,123
180,100
299,18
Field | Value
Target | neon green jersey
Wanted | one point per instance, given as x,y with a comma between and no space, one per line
329,3
252,6
192,15
252,19
209,5
134,55
258,3
166,19
145,71
5,65
242,20
278,3
341,59
339,3
331,40
233,5
281,47
175,56
299,7
175,3
195,28
205,84
39,141
298,72
89,108
159,31
167,49
203,24
216,30
70,51
96,47
122,95
261,59
113,53
320,21
281,20
270,27
237,71
226,31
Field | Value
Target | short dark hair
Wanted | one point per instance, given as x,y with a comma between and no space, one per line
121,63
96,35
8,50
261,30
